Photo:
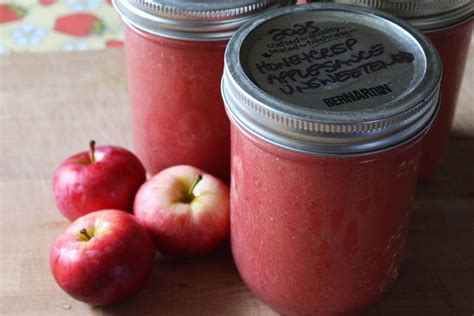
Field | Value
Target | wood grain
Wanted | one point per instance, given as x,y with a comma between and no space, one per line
51,105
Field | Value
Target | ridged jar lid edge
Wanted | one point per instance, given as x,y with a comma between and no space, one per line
425,15
251,107
198,25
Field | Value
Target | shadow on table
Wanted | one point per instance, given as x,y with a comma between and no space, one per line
454,177
208,284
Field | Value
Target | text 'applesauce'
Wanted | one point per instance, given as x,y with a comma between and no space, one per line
329,104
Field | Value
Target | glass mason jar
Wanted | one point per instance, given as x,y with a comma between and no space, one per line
328,106
449,26
174,53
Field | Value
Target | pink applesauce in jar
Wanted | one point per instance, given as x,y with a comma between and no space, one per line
174,52
448,24
329,104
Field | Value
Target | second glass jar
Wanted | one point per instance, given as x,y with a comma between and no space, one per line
174,53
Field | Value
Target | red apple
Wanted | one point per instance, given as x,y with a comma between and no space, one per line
185,210
102,257
106,177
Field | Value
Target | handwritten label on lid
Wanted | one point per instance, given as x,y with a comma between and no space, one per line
317,60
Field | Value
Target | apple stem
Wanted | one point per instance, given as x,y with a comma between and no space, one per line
85,234
196,180
92,150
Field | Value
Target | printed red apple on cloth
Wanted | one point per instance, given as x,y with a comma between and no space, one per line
185,210
79,24
10,12
102,257
106,177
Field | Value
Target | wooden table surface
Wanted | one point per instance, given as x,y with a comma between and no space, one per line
51,105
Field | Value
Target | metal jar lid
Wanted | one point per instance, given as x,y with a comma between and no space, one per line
426,15
198,20
331,79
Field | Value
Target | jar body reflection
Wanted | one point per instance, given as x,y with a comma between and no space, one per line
319,235
453,46
177,112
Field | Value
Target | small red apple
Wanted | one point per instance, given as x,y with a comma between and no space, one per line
102,257
107,177
185,210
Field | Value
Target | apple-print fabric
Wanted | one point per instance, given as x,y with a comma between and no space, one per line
58,25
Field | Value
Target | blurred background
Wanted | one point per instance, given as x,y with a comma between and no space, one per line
58,25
